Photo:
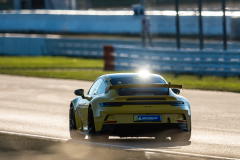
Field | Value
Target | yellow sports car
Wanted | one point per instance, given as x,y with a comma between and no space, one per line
131,105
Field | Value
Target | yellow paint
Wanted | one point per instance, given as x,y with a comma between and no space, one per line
125,114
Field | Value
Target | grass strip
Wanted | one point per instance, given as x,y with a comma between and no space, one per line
90,69
231,84
88,75
26,62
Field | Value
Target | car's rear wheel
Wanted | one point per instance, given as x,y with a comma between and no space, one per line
91,125
185,136
162,136
160,139
72,123
91,128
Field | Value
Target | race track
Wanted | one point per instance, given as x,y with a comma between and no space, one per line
39,106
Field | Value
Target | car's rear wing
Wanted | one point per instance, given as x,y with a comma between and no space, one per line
143,85
146,85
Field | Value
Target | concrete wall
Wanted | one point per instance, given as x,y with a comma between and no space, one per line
33,45
20,46
55,23
91,22
212,25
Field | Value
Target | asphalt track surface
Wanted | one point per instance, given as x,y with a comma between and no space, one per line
39,107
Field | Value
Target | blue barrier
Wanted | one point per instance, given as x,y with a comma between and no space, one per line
52,46
211,62
128,57
111,22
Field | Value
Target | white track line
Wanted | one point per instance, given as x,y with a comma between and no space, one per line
119,146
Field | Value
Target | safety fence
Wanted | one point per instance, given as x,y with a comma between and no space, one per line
122,22
11,44
128,57
53,46
33,45
220,63
76,48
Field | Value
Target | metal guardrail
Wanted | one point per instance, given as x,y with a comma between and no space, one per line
93,47
220,63
89,48
77,48
86,47
129,57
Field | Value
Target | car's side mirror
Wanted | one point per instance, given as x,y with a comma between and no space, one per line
79,92
176,91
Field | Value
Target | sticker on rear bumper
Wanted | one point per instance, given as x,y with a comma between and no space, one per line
147,118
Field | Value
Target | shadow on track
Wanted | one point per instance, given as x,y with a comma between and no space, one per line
149,143
145,142
14,147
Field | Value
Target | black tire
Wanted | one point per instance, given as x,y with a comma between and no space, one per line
185,136
72,123
91,124
161,136
91,128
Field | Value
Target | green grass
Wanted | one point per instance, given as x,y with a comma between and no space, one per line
88,75
231,84
48,62
90,69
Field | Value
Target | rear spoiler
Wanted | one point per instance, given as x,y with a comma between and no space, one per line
146,85
143,85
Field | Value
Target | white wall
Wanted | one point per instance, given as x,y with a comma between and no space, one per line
60,21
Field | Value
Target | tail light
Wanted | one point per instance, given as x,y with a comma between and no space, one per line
110,122
181,121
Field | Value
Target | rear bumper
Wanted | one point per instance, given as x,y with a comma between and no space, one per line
143,129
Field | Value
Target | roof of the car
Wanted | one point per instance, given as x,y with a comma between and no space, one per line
125,75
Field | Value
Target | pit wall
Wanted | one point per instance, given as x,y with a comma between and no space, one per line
104,22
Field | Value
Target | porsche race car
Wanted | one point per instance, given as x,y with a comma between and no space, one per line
131,105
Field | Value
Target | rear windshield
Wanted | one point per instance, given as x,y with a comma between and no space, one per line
142,90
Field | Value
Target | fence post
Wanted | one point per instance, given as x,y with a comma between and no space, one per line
224,26
177,24
200,25
108,56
